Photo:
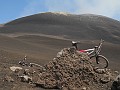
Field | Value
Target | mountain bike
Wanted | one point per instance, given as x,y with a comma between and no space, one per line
96,58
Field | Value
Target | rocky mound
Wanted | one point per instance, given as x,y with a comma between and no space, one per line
69,70
72,70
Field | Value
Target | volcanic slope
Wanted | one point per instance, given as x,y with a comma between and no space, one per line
78,27
41,36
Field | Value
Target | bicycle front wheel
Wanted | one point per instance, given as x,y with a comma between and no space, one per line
101,62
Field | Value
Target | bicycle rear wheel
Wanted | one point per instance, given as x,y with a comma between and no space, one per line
102,61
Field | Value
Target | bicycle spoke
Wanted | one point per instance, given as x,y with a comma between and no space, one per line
102,62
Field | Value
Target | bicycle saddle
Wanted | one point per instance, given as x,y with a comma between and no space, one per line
74,42
96,46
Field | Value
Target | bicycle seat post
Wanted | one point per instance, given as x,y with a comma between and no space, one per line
74,44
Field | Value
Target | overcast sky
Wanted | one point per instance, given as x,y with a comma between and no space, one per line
13,9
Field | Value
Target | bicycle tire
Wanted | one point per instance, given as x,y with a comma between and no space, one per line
103,61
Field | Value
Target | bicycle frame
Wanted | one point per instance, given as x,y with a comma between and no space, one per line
94,51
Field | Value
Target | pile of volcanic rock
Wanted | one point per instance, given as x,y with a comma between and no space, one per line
69,70
72,70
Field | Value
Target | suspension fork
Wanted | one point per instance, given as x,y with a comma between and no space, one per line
97,60
96,56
